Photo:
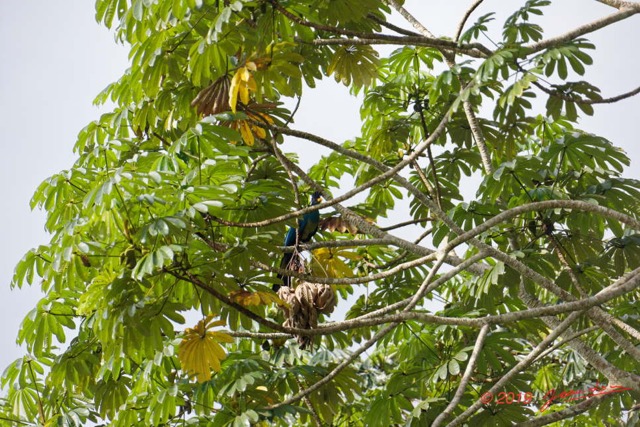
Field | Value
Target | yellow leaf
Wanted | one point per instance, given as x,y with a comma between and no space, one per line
269,297
245,73
247,298
245,131
200,352
327,263
260,132
233,90
242,84
251,84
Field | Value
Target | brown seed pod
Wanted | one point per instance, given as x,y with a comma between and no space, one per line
213,99
305,302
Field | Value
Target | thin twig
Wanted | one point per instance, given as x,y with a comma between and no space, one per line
35,385
307,401
580,100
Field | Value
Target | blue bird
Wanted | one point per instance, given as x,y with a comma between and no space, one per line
307,227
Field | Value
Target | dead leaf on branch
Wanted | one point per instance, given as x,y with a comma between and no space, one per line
249,128
340,224
213,99
200,350
337,223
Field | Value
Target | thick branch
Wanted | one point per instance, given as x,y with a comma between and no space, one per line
410,18
618,4
623,13
474,50
392,27
611,372
478,137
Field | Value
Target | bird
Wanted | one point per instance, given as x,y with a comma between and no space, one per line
307,227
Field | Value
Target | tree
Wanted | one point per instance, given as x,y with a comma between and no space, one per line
178,201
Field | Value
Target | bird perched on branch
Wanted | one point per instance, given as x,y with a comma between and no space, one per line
307,227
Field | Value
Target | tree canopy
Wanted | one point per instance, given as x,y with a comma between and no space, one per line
514,305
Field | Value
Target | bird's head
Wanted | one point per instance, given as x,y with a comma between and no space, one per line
316,198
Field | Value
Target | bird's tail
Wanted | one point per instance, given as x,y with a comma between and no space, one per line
290,261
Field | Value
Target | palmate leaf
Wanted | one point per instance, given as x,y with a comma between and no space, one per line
624,252
518,29
407,59
342,13
357,65
584,152
570,95
573,52
278,71
50,318
327,263
200,350
477,28
494,64
110,395
547,378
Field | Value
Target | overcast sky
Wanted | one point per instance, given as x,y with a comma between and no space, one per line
55,59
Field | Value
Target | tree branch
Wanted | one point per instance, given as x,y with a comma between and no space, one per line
392,27
618,4
465,378
580,100
331,375
519,366
478,137
357,37
463,21
569,412
623,13
474,50
410,18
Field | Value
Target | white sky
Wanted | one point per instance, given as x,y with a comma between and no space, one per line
55,59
